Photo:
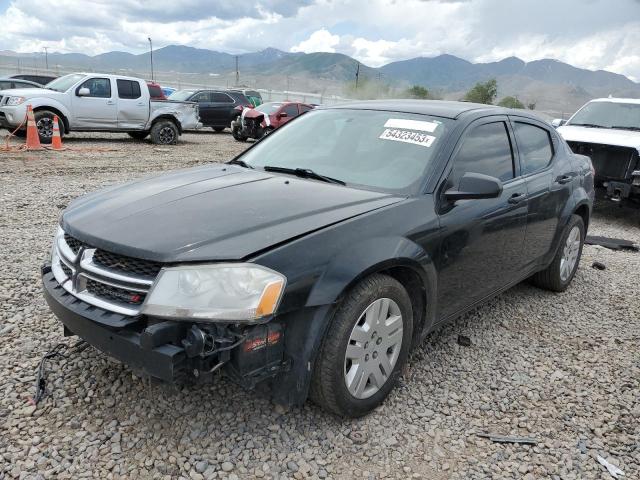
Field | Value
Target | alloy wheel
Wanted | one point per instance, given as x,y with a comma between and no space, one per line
167,135
570,253
45,127
373,349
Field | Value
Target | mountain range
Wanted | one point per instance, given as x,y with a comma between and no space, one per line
548,82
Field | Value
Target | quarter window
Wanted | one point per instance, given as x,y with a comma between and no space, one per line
534,145
128,89
291,110
98,87
487,150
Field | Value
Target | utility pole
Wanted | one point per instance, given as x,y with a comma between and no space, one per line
237,72
357,74
151,52
46,57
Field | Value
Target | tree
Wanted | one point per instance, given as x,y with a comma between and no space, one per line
483,92
531,105
511,102
418,91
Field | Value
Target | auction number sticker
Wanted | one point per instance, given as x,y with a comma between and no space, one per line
409,131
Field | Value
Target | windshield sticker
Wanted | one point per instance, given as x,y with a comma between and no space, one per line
411,125
407,136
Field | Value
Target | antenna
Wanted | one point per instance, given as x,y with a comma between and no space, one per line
357,74
237,72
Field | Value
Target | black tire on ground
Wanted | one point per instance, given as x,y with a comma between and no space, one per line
164,132
267,131
20,133
328,384
138,135
551,278
44,123
218,129
236,134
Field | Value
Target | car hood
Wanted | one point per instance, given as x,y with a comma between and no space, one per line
221,212
603,136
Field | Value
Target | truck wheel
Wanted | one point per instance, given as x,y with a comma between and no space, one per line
218,129
557,276
164,132
237,135
138,135
364,349
44,124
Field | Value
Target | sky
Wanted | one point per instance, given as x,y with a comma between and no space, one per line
594,34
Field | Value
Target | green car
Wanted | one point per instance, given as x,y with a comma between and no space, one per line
253,96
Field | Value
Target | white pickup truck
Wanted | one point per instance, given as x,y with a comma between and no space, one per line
89,102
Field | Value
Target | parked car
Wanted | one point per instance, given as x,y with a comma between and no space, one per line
608,131
314,261
155,91
9,83
168,91
264,119
217,107
88,102
252,95
39,79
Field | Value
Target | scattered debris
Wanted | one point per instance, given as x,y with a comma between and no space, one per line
611,243
56,351
357,437
504,439
464,341
614,471
582,446
599,266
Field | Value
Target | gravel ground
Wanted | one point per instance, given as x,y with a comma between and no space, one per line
563,368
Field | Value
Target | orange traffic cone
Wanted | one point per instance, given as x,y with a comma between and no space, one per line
33,139
56,140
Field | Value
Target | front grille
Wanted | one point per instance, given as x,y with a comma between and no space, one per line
114,293
610,162
67,271
74,244
126,264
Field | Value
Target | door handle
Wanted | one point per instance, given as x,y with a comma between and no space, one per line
110,102
516,198
140,104
562,179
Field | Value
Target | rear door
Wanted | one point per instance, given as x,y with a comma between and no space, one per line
98,110
133,109
549,184
481,249
223,105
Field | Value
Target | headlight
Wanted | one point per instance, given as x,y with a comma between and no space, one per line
231,292
15,100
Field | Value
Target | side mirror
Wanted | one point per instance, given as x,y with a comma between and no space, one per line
84,92
558,122
282,115
475,186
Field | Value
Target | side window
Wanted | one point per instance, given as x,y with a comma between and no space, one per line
535,146
98,87
5,85
129,89
202,97
304,108
487,150
155,91
219,97
291,110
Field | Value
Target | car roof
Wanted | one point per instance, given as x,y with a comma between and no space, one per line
617,100
11,79
437,108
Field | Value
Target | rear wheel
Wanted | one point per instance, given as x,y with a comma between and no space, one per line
164,132
138,135
364,349
218,129
558,276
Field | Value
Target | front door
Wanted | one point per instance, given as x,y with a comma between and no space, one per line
482,240
98,109
205,107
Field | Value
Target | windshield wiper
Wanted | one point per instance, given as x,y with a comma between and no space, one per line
304,173
241,163
625,127
588,125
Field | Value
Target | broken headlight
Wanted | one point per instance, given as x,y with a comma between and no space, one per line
229,292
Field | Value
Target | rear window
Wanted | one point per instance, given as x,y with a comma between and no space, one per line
155,91
534,145
181,95
220,97
128,89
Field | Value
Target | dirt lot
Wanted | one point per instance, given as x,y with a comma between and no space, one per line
563,368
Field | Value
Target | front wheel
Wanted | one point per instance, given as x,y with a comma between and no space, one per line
44,124
164,132
235,131
364,349
557,276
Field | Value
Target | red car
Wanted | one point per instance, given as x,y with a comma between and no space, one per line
262,120
155,91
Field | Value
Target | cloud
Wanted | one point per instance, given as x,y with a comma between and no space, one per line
319,41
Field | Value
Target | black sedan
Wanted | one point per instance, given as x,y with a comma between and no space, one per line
313,262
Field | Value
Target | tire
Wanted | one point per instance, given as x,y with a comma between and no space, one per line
267,131
236,134
164,132
138,135
334,367
44,123
20,133
558,276
218,129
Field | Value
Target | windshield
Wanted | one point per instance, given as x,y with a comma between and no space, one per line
386,151
63,84
269,108
181,95
608,115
